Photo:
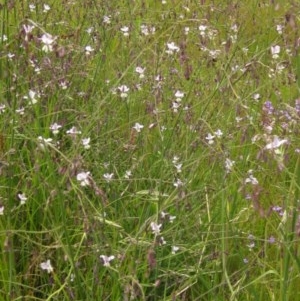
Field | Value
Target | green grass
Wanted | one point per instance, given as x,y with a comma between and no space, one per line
229,204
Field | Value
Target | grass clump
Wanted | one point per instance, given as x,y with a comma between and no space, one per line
149,150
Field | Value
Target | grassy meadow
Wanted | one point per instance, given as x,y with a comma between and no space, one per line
149,150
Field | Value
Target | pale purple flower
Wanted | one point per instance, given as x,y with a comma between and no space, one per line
47,266
83,178
86,143
276,143
54,127
275,50
107,259
73,131
155,228
48,40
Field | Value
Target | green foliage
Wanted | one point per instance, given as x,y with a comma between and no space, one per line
176,180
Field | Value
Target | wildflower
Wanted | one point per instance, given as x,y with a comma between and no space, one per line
27,30
186,30
2,108
276,143
46,8
275,50
88,50
32,96
178,167
178,183
83,178
171,218
47,266
86,143
179,95
175,159
256,96
174,249
140,71
251,179
272,240
279,28
90,30
155,228
22,197
44,142
162,241
202,29
107,259
1,209
245,260
147,30
175,106
20,111
127,174
138,127
48,41
210,138
107,19
73,131
218,133
123,89
229,165
32,7
172,48
54,127
108,176
125,31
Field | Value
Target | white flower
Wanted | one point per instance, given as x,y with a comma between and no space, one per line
210,138
171,218
155,228
279,28
22,197
2,108
44,142
31,7
20,111
54,127
218,133
88,49
125,31
174,249
123,89
83,178
251,179
107,259
128,174
108,176
1,210
178,183
46,8
140,71
186,30
106,19
229,165
86,143
172,48
275,50
32,97
138,127
47,266
256,96
179,95
73,131
276,143
48,41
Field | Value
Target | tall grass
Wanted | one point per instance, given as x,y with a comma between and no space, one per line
149,150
